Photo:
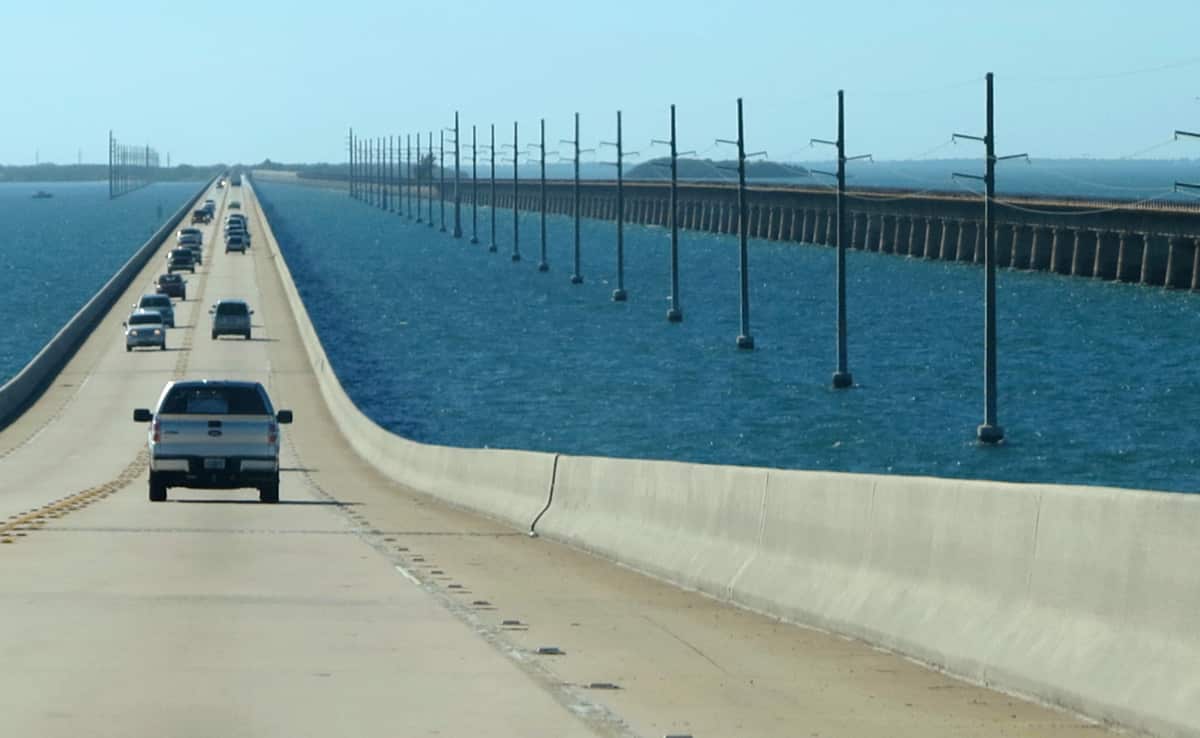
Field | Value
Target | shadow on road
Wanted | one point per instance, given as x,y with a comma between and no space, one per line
295,503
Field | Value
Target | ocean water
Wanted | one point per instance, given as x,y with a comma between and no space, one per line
443,342
56,253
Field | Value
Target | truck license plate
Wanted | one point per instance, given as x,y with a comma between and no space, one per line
214,464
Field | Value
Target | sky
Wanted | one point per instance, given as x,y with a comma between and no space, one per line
242,82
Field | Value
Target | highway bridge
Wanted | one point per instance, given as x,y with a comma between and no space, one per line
395,589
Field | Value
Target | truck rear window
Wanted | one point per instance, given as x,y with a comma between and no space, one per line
214,401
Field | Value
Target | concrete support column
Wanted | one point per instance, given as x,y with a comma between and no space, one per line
1122,256
1100,264
961,225
1056,250
1035,248
1195,282
1169,276
977,258
927,249
1147,257
943,239
1075,255
854,218
895,245
792,224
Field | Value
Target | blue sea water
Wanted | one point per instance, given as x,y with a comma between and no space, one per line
56,253
443,342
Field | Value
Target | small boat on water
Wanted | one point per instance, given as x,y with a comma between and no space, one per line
42,195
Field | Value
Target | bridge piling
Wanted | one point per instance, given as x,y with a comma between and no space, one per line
1195,264
1147,257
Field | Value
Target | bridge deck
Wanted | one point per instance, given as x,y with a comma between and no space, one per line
336,612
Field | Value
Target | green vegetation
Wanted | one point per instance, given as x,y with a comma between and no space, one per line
715,170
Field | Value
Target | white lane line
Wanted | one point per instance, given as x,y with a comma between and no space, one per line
408,575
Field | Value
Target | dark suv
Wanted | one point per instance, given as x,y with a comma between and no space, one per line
231,318
180,259
172,285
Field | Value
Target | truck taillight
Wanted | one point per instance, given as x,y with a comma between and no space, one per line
272,433
157,428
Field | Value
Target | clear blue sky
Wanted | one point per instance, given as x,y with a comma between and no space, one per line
248,80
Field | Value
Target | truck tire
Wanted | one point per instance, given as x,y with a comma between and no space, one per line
158,490
269,493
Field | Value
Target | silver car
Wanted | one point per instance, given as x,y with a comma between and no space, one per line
231,318
145,328
161,304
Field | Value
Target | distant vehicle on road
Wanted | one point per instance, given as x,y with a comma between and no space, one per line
235,204
201,215
187,234
214,434
236,180
160,304
231,318
171,284
236,242
180,259
145,328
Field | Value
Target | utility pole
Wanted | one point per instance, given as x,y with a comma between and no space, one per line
674,313
408,176
619,294
842,377
418,180
576,276
474,189
990,431
543,265
430,218
744,339
516,253
442,166
492,201
457,196
350,146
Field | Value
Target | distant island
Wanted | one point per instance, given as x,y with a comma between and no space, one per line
98,172
717,170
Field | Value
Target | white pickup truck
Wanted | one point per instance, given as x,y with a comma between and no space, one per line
214,434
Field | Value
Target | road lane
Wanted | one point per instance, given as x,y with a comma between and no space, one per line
212,614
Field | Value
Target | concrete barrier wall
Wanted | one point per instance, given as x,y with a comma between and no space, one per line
22,390
507,485
1083,597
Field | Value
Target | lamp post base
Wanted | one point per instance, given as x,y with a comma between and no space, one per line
987,433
